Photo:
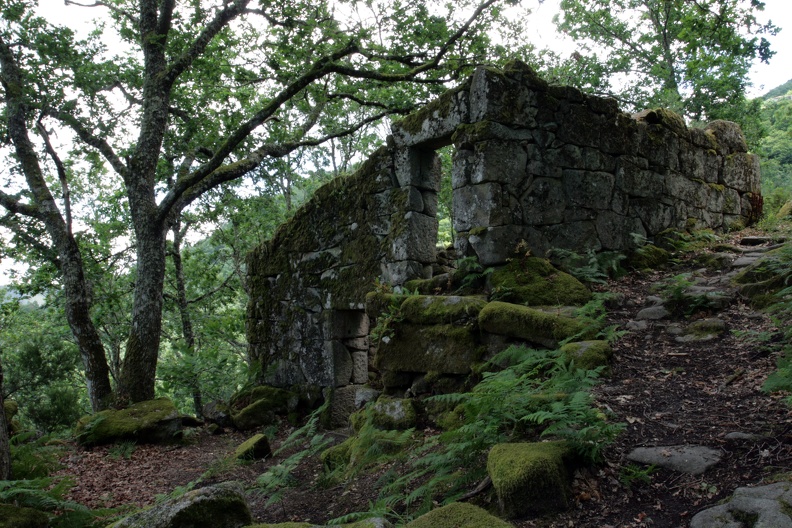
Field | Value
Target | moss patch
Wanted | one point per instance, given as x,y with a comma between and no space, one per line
588,354
458,515
258,406
534,281
254,448
445,349
394,413
431,310
148,421
530,478
648,257
16,517
531,325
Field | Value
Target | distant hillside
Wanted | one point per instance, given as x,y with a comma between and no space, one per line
778,90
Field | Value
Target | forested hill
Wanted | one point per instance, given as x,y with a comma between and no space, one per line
778,90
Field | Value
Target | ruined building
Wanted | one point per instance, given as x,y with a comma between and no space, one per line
542,164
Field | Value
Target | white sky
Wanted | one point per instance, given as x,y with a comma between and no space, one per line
541,31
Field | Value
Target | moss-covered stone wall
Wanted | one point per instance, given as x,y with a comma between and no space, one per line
306,322
547,165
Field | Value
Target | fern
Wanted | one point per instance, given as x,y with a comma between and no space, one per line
539,394
591,267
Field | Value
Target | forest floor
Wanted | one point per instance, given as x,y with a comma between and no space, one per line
666,392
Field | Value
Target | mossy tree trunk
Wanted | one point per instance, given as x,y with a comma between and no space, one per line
5,449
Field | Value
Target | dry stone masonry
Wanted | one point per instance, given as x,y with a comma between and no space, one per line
538,165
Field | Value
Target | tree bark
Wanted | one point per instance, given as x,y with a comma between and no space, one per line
5,448
45,209
138,370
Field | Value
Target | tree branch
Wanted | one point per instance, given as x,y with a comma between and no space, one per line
61,174
88,137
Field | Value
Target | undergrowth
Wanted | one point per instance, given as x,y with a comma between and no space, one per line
538,395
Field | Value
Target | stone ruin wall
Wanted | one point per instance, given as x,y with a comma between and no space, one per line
543,164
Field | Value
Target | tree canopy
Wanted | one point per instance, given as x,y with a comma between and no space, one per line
203,94
691,56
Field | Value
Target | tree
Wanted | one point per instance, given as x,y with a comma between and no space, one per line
207,91
692,56
5,446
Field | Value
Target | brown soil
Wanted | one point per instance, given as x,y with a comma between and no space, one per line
668,393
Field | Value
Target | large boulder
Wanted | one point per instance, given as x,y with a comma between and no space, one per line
458,515
220,506
149,421
763,506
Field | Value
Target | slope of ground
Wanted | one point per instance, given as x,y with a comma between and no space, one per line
667,393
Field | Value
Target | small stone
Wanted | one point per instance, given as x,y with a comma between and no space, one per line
693,460
637,326
653,313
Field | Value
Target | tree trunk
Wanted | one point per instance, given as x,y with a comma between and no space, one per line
5,448
138,370
97,373
184,313
44,208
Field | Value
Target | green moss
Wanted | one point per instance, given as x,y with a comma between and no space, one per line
716,187
588,354
534,281
458,515
648,256
366,523
393,413
253,448
785,211
477,231
530,478
257,406
530,324
447,349
337,456
11,408
378,303
16,517
139,421
430,310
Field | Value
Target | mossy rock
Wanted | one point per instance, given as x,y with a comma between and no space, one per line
444,349
148,421
588,354
16,517
458,515
648,256
221,505
529,324
254,448
337,456
533,281
432,310
258,406
531,478
393,413
769,274
366,523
